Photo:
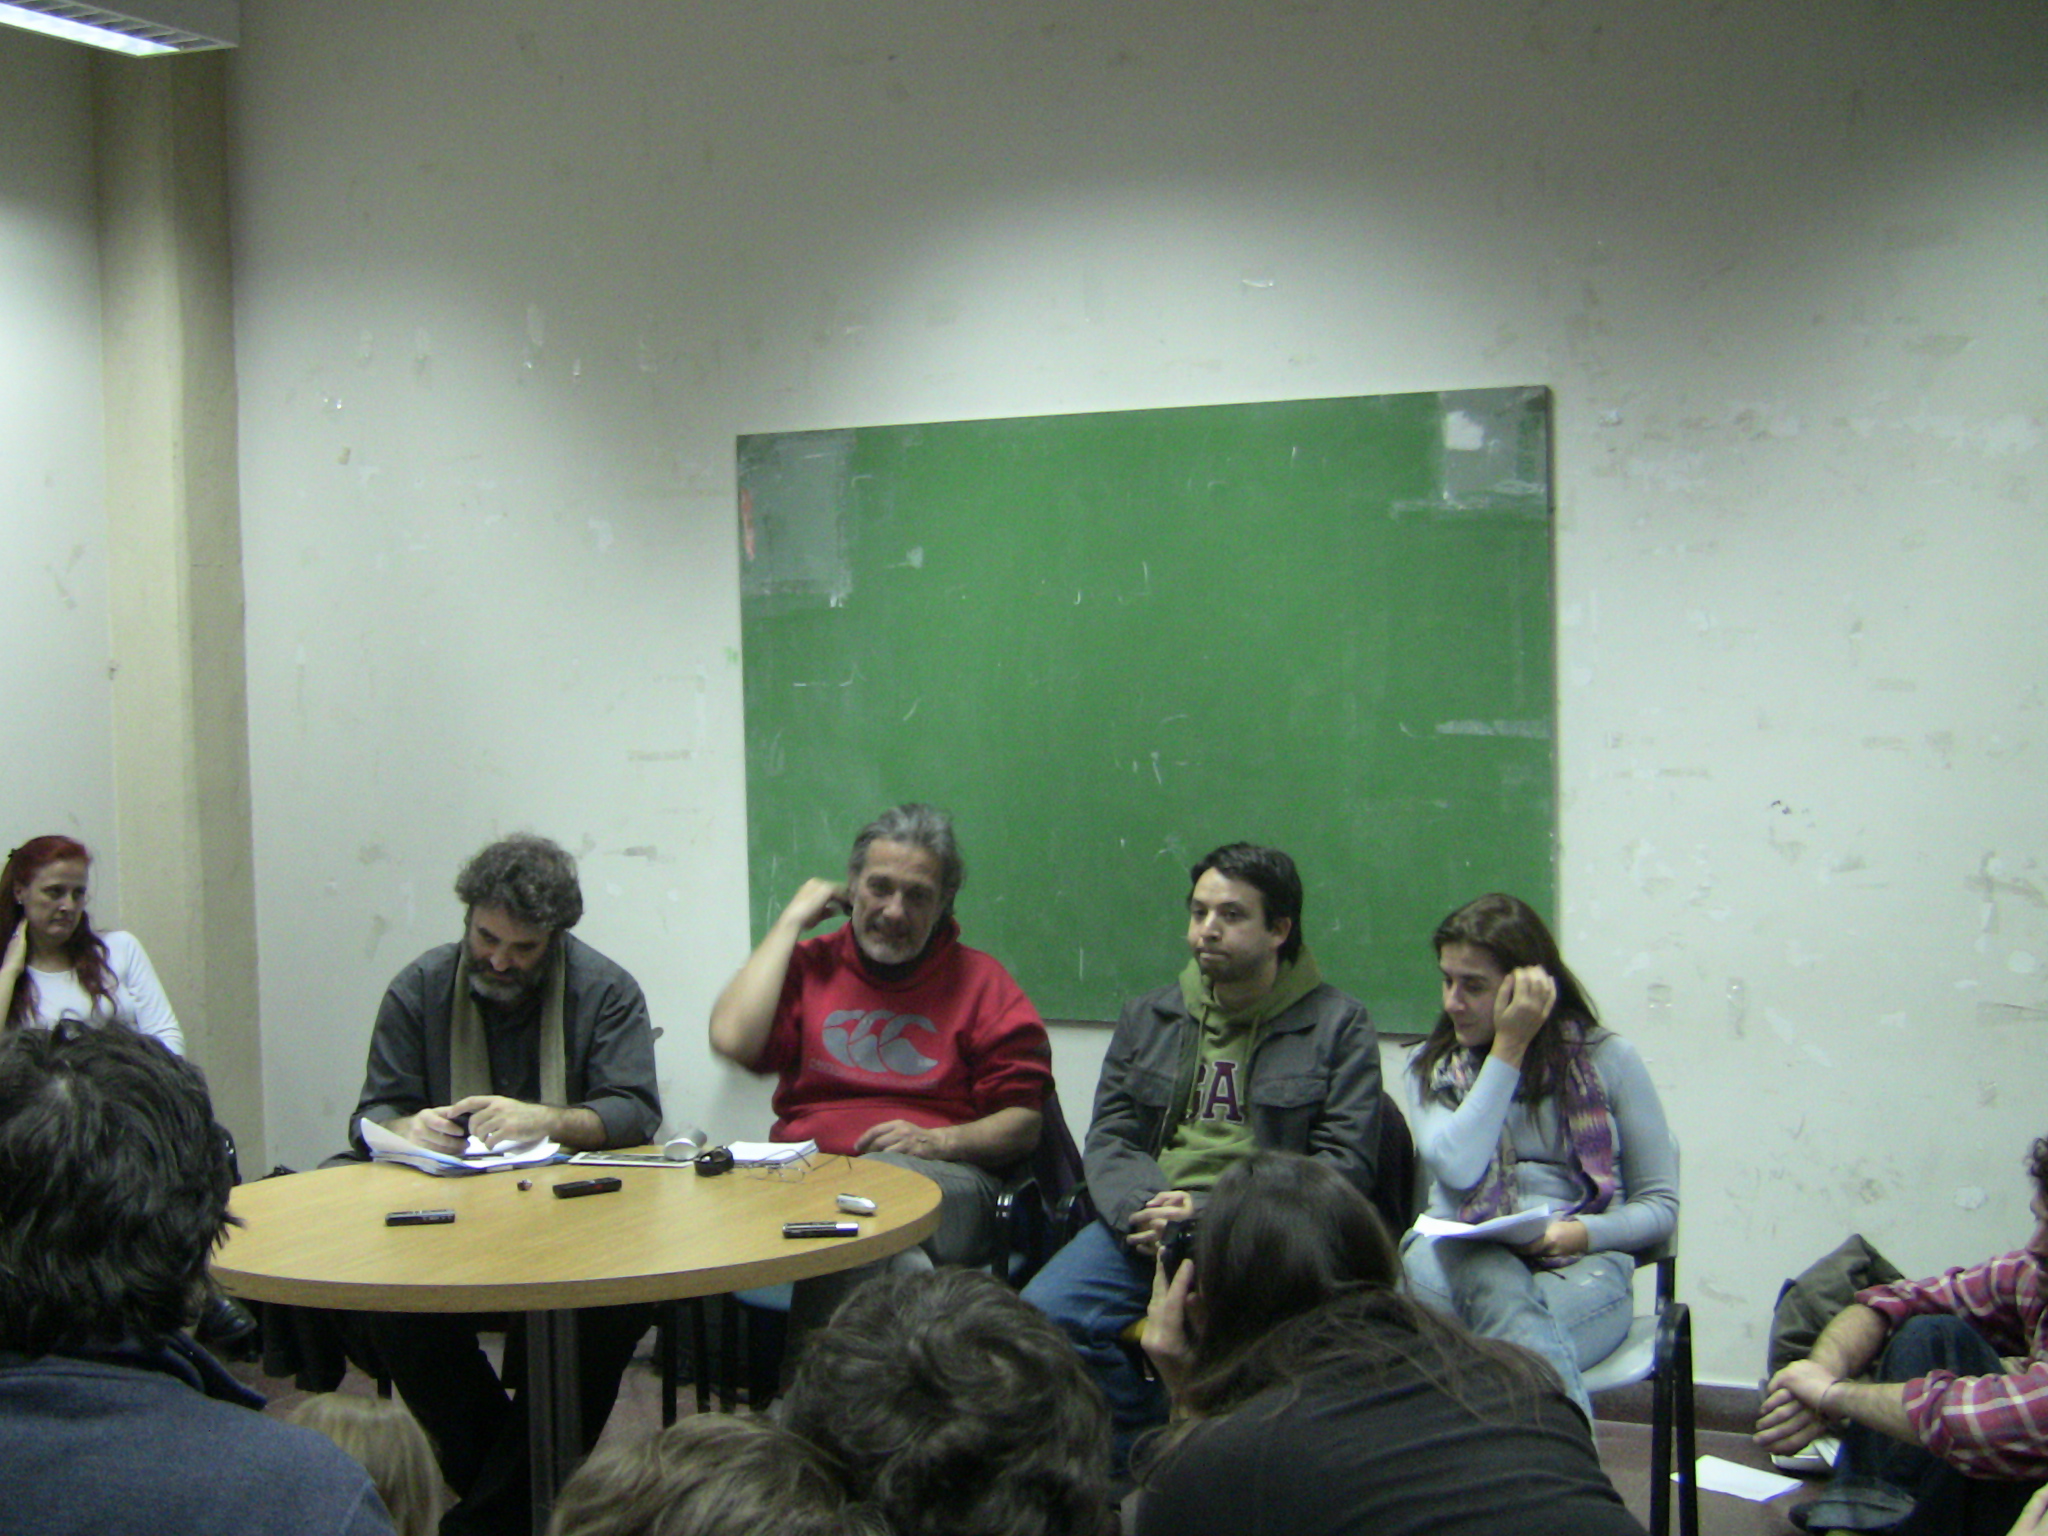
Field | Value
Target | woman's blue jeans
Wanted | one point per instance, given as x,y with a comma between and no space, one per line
1574,1316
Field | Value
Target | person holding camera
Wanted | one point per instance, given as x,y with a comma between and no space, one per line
1310,1394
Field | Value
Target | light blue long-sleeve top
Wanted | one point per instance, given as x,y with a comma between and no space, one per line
1456,1145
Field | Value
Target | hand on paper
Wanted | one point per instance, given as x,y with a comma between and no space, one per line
433,1129
498,1121
1561,1240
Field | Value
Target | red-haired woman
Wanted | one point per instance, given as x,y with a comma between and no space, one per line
55,967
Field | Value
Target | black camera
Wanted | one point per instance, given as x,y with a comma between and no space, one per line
1176,1245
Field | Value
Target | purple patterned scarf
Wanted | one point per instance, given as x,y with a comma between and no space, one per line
1589,1132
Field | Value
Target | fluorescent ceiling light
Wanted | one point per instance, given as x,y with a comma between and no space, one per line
137,27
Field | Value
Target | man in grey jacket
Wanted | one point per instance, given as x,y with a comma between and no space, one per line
516,1032
1250,1049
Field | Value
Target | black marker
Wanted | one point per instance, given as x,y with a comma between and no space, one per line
821,1229
418,1218
575,1187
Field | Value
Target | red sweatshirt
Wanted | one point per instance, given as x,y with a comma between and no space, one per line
954,1041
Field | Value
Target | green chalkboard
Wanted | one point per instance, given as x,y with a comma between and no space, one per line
1109,642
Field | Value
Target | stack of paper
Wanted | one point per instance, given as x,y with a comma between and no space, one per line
627,1160
771,1154
385,1147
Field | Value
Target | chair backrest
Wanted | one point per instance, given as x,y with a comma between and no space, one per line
1056,1161
1395,1191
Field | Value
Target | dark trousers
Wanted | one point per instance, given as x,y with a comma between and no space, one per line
478,1422
1945,1502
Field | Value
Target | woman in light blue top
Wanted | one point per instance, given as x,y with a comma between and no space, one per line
1522,1099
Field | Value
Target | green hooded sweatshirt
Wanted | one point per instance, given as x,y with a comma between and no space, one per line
1209,1128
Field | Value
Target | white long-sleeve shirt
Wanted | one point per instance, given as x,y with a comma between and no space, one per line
138,999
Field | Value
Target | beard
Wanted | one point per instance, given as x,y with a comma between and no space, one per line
506,986
889,949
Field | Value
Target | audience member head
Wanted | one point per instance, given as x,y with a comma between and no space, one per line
2037,1167
530,878
1507,934
113,1189
710,1475
1281,1236
956,1408
43,893
915,826
1269,872
1294,1272
392,1448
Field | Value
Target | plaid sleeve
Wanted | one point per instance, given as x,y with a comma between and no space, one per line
1986,1426
1996,1297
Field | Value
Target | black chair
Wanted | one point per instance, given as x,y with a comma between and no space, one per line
1027,1211
1658,1349
1395,1183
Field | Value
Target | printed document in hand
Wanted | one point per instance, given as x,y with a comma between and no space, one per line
771,1154
387,1147
1521,1227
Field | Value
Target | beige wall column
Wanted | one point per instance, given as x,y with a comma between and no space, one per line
181,761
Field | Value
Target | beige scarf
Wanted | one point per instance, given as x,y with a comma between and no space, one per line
469,1053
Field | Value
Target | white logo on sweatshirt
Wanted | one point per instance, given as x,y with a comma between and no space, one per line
873,1040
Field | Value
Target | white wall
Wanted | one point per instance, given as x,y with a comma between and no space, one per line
55,719
512,275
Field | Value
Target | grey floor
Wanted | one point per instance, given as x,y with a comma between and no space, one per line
1724,1416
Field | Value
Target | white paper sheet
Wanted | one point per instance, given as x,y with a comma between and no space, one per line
1718,1476
1521,1227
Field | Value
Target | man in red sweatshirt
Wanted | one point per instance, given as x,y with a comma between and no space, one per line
887,1035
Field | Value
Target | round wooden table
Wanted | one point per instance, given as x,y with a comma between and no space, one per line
319,1240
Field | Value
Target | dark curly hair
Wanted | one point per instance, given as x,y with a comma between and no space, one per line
708,1475
957,1408
114,1185
530,877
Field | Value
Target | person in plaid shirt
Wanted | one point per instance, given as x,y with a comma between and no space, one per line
1950,1433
